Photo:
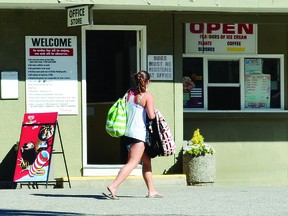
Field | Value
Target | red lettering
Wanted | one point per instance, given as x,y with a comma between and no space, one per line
247,28
228,28
197,28
212,27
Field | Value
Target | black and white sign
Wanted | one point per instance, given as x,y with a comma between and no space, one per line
51,74
160,67
78,16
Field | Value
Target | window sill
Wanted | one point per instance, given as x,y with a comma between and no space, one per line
276,113
191,110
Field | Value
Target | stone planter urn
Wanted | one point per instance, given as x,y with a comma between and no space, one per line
199,169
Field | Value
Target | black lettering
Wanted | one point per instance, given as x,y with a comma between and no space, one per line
51,42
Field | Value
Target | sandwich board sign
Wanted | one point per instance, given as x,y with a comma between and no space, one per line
35,147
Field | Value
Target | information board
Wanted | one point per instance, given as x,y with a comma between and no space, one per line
51,74
160,67
35,147
257,91
9,85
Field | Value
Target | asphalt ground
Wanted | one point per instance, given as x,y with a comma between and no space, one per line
179,200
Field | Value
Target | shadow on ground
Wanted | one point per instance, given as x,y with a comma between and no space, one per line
28,212
99,197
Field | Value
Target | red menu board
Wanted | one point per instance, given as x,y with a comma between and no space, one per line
35,147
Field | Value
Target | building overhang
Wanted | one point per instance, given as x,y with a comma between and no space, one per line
253,6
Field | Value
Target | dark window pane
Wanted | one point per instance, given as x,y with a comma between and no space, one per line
223,71
224,98
193,83
110,61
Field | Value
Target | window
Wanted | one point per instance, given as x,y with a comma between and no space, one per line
233,82
223,84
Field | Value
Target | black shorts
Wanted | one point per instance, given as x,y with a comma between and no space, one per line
129,140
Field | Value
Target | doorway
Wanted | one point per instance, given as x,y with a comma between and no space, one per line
112,55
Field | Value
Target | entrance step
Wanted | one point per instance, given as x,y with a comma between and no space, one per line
103,181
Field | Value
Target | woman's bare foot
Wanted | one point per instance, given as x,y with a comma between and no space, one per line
111,190
154,195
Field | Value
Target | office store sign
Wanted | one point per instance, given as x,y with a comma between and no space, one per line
221,38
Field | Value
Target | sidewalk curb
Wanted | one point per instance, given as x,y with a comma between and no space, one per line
103,181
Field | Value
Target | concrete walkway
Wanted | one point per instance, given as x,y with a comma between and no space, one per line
212,200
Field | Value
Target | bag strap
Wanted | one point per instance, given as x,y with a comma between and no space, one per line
125,96
140,98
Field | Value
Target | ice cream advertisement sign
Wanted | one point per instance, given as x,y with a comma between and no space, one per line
35,147
221,38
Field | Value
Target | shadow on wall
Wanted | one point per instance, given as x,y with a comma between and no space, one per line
7,168
238,129
177,167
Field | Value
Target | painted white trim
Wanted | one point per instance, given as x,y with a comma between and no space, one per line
223,85
242,80
84,96
256,6
100,170
198,110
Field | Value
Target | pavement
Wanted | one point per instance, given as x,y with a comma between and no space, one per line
205,200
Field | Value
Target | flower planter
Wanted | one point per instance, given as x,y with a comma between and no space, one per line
200,169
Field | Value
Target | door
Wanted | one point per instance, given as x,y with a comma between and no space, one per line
112,55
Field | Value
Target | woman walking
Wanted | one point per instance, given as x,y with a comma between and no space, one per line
140,104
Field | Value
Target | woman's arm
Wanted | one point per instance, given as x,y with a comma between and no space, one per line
149,106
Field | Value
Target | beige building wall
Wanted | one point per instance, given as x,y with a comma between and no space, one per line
250,147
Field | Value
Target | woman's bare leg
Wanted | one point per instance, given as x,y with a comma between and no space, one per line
147,175
134,157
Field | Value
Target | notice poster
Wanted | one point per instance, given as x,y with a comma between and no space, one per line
257,91
253,66
160,67
221,38
51,74
35,147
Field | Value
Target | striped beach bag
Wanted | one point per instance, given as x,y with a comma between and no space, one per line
159,138
165,135
117,117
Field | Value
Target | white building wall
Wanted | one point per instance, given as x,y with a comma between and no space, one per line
258,6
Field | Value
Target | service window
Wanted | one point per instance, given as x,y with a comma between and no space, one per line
233,82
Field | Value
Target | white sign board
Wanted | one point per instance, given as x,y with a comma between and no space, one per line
160,67
51,74
78,16
9,85
221,38
253,66
257,91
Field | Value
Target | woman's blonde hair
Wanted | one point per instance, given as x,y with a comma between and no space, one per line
141,79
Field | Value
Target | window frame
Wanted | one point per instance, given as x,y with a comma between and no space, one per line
241,59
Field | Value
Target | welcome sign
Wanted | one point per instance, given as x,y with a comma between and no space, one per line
51,74
221,38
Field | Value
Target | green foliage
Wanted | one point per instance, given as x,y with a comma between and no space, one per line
197,147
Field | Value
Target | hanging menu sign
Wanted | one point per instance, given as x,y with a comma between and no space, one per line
78,15
221,38
257,91
253,66
51,74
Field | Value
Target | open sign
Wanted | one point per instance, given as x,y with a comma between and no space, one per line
224,28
